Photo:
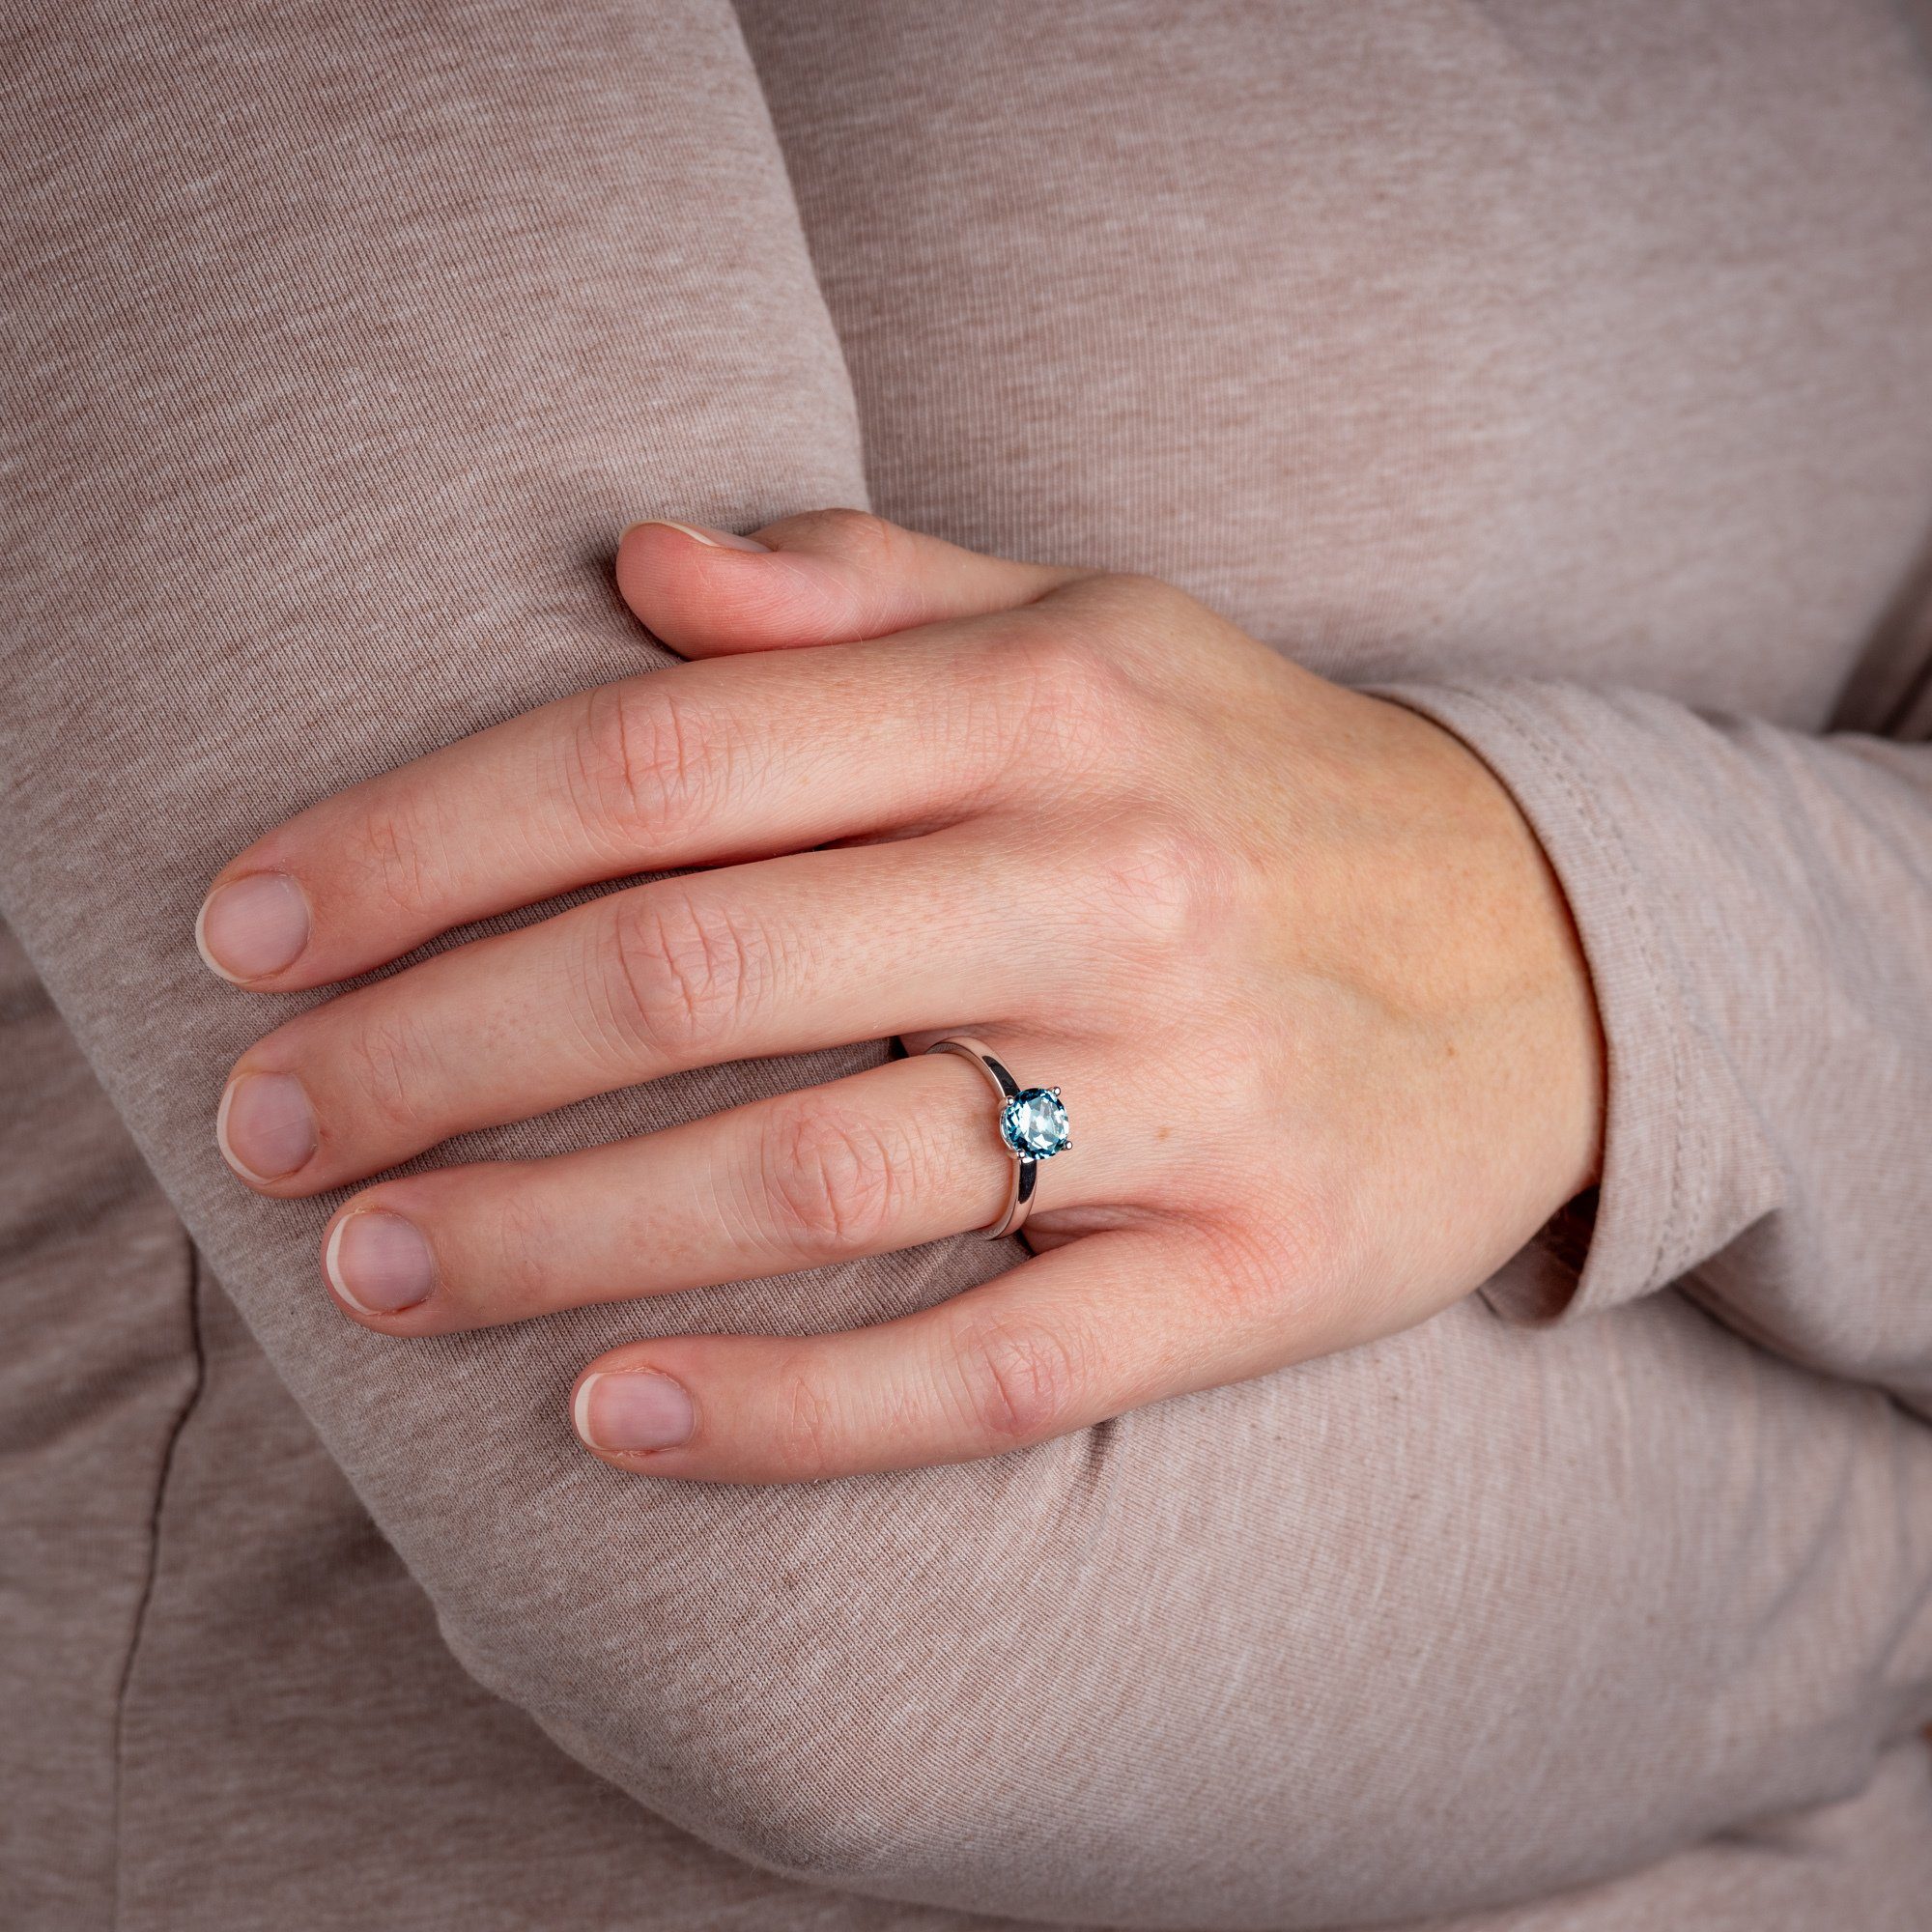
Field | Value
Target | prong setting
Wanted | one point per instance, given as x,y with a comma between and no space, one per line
1032,1127
1033,1123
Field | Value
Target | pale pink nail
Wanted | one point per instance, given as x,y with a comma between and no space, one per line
265,1127
379,1263
631,1409
704,534
253,927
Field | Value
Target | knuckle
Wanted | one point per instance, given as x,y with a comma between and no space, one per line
1156,882
396,850
853,536
833,1178
525,1237
395,1074
807,1421
1019,1380
1070,677
649,763
1283,1273
683,969
1241,1270
1141,610
1151,603
1066,698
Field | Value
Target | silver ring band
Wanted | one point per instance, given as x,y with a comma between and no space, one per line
1032,1127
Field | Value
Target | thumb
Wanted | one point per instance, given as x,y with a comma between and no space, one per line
829,577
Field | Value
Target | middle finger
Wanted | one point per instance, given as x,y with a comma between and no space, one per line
782,955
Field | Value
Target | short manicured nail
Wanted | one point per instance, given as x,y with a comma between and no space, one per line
379,1263
265,1127
703,532
251,927
634,1409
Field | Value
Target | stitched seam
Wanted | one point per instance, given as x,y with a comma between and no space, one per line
197,1382
1609,840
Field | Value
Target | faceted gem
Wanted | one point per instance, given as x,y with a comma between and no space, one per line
1033,1123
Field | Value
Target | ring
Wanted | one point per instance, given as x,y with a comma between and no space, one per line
1032,1129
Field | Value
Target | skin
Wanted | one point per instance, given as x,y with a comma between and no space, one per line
1315,1003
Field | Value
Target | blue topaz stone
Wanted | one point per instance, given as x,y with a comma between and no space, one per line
1033,1123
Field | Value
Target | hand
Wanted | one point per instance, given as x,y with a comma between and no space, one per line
1297,965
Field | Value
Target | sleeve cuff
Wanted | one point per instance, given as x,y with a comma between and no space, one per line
1630,1235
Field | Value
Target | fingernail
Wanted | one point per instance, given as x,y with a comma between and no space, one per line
379,1263
703,532
253,927
265,1127
632,1408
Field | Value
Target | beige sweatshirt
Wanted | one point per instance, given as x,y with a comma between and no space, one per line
1565,368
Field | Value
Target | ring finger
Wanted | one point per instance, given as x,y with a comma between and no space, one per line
890,1157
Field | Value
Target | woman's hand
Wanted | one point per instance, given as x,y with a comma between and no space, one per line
1305,981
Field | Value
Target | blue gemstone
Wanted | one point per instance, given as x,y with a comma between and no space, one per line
1033,1123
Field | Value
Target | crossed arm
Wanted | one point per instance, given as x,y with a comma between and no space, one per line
1313,993
1263,1617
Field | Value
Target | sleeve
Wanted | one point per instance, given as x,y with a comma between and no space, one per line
1756,908
341,342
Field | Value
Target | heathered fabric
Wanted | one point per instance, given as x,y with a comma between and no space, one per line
1563,369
